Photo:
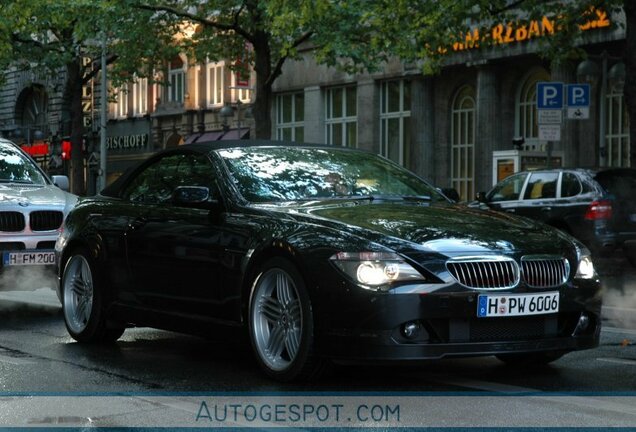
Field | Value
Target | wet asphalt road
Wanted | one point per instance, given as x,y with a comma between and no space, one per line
38,357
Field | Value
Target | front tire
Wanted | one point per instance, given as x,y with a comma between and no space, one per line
281,323
83,301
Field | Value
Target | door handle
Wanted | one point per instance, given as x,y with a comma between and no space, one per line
511,210
546,209
138,222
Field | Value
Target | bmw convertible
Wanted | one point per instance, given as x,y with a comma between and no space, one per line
319,254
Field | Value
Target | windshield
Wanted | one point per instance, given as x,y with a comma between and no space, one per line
15,167
275,174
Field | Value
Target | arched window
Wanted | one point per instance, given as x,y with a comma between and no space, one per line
617,132
463,143
526,116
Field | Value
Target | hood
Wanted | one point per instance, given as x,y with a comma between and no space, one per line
47,195
446,229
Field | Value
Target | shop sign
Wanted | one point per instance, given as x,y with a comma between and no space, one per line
87,95
127,142
502,34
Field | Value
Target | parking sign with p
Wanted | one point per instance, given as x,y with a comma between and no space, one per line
549,95
578,95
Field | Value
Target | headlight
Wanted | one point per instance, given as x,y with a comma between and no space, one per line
585,268
374,269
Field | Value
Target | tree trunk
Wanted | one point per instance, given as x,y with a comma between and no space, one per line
74,92
630,74
261,109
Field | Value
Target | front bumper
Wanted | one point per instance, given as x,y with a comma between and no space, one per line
371,327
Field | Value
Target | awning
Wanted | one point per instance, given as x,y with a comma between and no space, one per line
205,137
234,134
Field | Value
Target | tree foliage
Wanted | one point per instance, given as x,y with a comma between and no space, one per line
341,33
52,39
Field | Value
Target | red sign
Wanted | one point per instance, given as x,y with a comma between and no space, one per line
39,149
66,150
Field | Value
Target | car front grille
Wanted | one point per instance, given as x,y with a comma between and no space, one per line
46,220
11,221
502,272
485,273
545,272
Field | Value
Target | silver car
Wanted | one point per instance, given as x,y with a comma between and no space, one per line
32,209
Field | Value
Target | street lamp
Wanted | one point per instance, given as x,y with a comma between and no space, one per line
588,71
226,113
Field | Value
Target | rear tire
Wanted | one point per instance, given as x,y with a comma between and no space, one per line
530,359
281,324
83,303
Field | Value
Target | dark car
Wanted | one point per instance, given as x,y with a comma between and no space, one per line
597,207
320,254
620,183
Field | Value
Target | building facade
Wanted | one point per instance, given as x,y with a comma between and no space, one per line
459,128
452,127
200,102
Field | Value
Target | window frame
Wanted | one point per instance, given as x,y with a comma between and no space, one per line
214,93
464,185
345,121
402,115
295,123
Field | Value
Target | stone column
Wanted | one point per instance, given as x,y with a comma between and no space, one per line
368,122
487,126
423,128
314,115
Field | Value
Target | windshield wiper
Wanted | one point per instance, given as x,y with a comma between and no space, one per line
16,181
416,198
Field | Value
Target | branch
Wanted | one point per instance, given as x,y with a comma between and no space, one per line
93,73
276,70
199,19
37,44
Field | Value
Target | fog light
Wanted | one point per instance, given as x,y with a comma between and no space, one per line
411,330
582,325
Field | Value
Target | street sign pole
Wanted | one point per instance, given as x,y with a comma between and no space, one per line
549,115
103,119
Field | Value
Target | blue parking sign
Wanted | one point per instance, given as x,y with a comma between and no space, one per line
578,95
549,95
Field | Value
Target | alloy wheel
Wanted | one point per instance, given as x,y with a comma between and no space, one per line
78,293
277,319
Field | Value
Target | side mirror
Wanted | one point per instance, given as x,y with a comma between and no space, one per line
451,193
193,196
60,181
481,197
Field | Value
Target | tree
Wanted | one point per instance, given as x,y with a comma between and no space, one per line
55,38
341,33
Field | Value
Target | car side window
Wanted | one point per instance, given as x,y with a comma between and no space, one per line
541,185
570,185
156,183
508,189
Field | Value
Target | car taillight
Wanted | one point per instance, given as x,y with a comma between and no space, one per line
599,210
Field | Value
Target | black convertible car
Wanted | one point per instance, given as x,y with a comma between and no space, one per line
321,254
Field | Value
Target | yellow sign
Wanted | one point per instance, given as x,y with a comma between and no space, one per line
509,33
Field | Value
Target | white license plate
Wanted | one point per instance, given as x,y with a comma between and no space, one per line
504,305
28,258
